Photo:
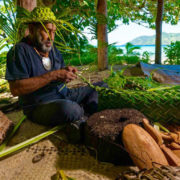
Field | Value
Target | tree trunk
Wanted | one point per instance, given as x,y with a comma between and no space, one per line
159,18
102,34
29,5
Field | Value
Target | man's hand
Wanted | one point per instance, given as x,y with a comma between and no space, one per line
64,75
29,85
71,69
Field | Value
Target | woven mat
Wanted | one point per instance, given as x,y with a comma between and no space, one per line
74,161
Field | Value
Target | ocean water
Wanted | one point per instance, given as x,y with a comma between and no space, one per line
148,48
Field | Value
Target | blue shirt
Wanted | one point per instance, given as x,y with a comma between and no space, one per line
23,62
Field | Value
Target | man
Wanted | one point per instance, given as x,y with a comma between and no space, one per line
36,73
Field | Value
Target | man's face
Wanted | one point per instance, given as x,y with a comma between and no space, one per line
44,38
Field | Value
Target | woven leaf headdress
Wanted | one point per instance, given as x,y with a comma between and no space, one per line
43,15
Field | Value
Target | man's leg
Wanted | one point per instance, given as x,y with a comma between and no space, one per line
56,112
87,97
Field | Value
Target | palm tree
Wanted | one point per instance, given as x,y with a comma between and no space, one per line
130,49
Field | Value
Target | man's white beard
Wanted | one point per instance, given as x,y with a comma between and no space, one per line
41,44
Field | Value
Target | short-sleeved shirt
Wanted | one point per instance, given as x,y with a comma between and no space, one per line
23,62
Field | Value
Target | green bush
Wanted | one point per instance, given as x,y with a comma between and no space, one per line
131,59
114,55
172,51
83,60
86,56
130,56
145,57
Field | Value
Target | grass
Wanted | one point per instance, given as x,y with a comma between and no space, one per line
119,60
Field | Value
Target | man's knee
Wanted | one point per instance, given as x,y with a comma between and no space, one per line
72,111
58,112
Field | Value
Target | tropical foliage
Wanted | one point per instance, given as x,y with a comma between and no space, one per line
12,28
82,14
128,55
7,32
143,12
172,51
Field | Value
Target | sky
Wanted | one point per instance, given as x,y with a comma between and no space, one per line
126,33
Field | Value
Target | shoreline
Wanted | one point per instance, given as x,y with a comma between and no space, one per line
123,45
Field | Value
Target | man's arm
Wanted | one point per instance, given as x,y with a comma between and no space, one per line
26,86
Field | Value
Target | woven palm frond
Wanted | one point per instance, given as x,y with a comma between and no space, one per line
160,106
156,101
159,103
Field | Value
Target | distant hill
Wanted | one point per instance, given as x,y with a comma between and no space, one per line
150,40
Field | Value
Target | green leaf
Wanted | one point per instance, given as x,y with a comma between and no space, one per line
30,141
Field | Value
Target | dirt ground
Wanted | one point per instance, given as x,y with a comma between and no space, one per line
20,165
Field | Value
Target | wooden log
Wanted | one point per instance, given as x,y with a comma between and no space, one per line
6,126
103,133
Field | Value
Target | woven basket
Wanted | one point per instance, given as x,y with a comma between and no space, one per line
157,105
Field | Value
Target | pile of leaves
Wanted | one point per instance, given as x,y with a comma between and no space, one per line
118,81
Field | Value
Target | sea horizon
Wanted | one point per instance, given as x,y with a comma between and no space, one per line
149,48
142,45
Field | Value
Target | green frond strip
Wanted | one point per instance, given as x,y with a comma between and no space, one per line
22,12
46,30
161,127
64,47
30,141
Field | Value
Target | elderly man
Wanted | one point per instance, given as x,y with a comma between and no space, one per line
36,73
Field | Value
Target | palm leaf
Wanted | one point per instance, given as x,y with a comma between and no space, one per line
3,43
133,48
7,21
62,46
10,18
22,12
30,141
64,13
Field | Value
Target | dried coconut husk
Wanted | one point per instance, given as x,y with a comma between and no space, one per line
103,133
6,126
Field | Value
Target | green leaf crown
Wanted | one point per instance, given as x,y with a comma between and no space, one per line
39,14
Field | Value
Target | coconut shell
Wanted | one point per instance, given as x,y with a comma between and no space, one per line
142,148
